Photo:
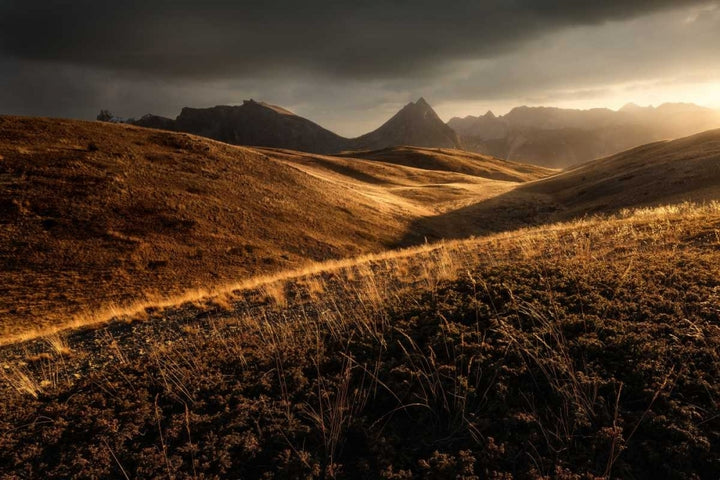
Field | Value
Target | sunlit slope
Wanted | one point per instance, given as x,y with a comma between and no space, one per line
417,190
451,160
660,173
95,213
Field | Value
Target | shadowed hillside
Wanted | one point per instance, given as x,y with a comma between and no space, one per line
261,124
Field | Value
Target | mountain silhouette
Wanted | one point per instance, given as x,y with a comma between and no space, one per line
416,124
558,138
264,125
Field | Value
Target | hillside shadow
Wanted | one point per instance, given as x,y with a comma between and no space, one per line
509,211
540,203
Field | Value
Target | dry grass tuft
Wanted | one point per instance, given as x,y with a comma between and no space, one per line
21,381
58,344
276,292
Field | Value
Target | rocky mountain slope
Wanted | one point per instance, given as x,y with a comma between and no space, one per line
416,124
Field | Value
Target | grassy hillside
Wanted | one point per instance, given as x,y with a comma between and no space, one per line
97,216
575,351
578,349
659,173
449,160
414,188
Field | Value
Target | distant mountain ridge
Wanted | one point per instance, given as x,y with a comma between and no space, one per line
559,138
545,136
264,125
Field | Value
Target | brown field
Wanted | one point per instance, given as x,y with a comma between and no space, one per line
98,217
175,307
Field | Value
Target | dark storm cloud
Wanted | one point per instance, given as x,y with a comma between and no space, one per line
347,65
214,39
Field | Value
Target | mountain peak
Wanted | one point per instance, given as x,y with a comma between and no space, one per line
420,108
421,105
634,107
415,124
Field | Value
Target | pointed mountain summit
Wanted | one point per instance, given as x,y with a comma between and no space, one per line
415,124
264,125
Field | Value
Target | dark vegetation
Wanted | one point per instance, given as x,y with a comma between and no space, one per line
581,351
263,125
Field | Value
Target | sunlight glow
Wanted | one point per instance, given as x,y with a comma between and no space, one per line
703,93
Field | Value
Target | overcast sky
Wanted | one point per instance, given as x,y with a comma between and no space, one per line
350,64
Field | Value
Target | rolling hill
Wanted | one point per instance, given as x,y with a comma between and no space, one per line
686,169
98,215
668,172
142,214
452,160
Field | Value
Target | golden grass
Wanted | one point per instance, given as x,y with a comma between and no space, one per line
58,344
435,262
145,210
19,380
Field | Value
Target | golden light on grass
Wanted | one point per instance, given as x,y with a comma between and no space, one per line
436,262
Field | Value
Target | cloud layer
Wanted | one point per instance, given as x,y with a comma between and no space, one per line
71,58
